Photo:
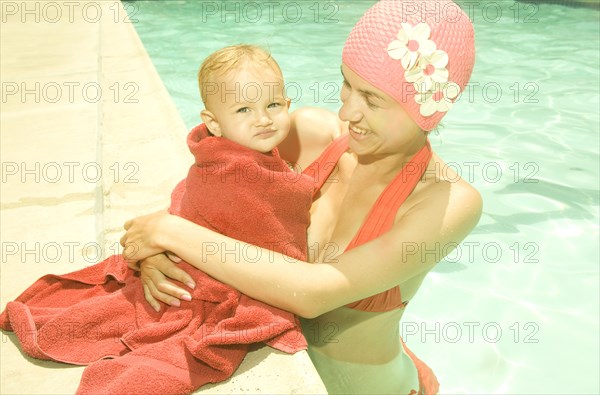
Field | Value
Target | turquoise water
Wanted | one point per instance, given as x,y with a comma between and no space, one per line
515,308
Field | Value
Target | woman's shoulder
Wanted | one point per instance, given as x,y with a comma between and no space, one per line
466,200
312,130
451,197
443,201
462,193
318,121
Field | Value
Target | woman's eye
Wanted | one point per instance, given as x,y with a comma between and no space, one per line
273,105
371,105
243,109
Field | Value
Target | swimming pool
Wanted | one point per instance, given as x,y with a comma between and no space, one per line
515,308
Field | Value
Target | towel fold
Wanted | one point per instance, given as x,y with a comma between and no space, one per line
98,316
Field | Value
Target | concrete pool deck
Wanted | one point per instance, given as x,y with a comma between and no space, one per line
89,138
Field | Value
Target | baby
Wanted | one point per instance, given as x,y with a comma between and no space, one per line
238,186
245,118
242,90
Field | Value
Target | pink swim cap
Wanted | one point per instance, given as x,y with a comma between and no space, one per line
420,52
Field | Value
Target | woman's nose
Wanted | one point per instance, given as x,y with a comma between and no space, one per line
350,110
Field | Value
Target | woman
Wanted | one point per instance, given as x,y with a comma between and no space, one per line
385,214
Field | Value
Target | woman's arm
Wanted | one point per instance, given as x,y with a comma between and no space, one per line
431,229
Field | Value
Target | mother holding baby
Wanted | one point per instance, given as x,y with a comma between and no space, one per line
385,203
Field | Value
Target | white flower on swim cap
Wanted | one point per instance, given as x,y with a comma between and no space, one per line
411,42
439,98
429,69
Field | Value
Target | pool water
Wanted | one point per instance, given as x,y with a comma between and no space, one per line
515,308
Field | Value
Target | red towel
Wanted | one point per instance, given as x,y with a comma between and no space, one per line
100,312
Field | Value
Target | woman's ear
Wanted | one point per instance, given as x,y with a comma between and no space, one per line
288,101
211,122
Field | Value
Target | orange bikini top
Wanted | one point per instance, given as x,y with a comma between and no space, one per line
381,217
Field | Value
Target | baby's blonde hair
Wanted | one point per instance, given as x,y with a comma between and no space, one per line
230,58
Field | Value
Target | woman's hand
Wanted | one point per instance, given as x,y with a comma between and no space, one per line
142,236
155,272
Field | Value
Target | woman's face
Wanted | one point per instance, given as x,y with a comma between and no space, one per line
378,124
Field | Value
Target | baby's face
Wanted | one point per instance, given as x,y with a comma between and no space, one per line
249,108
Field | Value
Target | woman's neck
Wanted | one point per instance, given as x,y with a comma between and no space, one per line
384,167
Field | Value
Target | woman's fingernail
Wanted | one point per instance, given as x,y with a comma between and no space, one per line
191,284
186,297
175,302
157,308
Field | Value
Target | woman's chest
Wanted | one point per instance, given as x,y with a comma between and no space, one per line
338,213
